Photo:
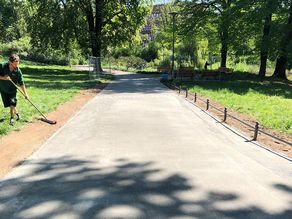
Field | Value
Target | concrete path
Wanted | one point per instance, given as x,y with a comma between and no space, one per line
138,150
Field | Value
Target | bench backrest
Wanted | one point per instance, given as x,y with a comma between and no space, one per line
163,69
225,70
185,71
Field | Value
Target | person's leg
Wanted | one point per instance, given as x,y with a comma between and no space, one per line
10,101
17,114
12,114
13,111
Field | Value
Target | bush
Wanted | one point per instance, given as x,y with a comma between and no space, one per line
150,52
21,47
165,62
134,62
52,59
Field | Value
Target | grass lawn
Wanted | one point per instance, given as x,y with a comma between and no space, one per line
268,102
48,87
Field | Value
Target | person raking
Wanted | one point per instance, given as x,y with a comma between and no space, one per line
9,71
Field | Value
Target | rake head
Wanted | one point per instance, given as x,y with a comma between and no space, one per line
52,122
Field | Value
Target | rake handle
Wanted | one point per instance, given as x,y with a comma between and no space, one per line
28,99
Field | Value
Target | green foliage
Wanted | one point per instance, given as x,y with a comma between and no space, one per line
92,24
132,62
268,102
21,46
242,22
198,31
126,18
44,85
149,52
10,21
165,62
289,62
49,56
122,51
52,57
126,63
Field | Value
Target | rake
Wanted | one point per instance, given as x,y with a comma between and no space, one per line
44,119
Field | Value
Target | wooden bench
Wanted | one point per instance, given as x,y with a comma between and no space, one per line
163,69
211,75
225,70
186,72
189,73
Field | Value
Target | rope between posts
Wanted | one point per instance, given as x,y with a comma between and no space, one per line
256,128
272,136
240,121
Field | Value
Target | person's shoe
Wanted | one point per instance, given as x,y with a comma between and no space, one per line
17,116
11,121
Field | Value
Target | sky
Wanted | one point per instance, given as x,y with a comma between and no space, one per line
156,2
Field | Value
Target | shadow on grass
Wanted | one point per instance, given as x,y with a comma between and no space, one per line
76,188
240,83
56,79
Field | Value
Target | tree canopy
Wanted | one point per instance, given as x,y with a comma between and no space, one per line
258,31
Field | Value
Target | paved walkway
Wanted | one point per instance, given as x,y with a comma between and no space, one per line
137,150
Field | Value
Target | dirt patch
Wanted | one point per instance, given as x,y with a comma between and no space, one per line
18,145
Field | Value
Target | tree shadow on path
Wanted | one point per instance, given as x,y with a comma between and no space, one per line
75,188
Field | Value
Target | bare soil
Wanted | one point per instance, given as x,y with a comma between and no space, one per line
18,145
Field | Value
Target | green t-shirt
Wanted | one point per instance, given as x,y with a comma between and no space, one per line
16,76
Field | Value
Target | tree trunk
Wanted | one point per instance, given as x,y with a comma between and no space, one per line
280,70
224,32
265,45
224,48
95,28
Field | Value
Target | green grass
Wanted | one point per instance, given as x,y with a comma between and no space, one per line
48,87
268,102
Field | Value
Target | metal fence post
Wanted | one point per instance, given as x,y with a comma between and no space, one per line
186,92
225,114
195,100
207,104
256,131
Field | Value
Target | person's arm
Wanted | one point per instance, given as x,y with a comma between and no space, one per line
23,88
5,78
21,84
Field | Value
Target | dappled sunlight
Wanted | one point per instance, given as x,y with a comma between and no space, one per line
245,85
77,188
54,78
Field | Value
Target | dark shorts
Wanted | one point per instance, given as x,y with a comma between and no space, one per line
9,99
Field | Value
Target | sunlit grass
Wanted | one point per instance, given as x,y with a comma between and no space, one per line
268,102
48,87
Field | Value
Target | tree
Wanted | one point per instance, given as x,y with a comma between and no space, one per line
280,69
259,23
224,30
266,38
149,52
10,21
198,14
94,24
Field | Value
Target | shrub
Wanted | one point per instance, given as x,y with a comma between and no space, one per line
21,47
150,52
134,62
52,57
